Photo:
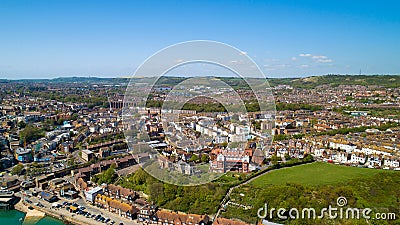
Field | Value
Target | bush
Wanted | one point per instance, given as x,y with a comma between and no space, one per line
17,170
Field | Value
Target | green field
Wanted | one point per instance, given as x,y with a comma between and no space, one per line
318,173
318,185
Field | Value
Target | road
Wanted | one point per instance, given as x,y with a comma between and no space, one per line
81,202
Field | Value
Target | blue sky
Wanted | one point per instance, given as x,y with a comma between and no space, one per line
43,39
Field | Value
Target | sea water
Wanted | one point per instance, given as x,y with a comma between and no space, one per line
16,217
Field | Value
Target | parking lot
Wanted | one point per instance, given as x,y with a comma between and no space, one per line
80,210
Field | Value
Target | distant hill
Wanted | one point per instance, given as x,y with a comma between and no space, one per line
387,81
71,80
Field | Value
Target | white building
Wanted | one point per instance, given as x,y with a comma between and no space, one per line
391,162
91,194
349,147
357,158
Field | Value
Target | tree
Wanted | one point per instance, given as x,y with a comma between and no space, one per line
17,170
71,162
74,117
314,121
60,121
194,158
205,158
140,177
287,157
21,124
107,176
275,159
156,191
30,133
290,126
308,158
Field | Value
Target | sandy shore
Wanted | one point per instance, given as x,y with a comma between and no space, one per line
34,215
31,214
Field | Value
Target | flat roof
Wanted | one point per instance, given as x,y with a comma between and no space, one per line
5,199
21,151
87,151
94,190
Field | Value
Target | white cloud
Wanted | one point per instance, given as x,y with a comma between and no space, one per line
304,66
283,65
276,67
271,60
305,55
319,57
316,58
325,60
268,67
294,58
243,53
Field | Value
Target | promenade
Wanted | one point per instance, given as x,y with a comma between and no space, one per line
63,214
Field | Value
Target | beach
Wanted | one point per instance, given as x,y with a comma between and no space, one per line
32,216
17,217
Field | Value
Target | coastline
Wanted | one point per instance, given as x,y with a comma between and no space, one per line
37,213
32,216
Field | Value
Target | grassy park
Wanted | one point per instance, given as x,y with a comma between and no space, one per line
317,173
318,185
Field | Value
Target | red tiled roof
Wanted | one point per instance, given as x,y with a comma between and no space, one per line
173,217
224,221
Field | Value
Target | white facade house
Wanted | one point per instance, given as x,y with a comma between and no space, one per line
391,162
319,152
374,161
349,148
357,158
341,157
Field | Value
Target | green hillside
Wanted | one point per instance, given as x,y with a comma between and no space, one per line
315,174
318,185
392,81
388,81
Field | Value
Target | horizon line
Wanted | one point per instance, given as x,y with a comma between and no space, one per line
178,76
